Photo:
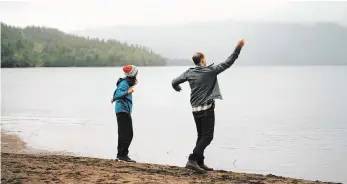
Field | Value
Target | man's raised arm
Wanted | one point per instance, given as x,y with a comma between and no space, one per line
231,59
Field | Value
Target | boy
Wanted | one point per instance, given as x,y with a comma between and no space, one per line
123,108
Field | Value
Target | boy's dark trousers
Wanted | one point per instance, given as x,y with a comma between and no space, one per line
125,133
204,121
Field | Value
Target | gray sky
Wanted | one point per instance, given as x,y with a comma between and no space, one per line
78,15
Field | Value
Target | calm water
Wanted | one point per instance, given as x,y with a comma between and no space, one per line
289,121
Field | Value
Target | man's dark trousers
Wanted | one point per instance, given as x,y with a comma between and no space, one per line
204,121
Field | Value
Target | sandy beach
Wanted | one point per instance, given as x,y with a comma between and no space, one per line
21,165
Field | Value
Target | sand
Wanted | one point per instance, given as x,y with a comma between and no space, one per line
21,165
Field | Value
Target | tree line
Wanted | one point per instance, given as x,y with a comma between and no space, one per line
48,47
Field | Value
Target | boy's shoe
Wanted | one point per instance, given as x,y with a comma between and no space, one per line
125,159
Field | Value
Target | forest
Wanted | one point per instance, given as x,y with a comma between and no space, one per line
34,46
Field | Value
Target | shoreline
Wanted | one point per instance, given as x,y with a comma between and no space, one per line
20,164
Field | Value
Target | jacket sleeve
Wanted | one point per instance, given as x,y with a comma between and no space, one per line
121,91
179,80
230,61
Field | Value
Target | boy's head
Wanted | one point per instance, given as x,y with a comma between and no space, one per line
130,70
199,59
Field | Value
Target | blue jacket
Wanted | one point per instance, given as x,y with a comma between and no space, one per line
124,101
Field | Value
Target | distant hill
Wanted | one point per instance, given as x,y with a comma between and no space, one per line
47,47
179,62
266,43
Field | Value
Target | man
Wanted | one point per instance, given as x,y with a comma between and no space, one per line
123,107
204,89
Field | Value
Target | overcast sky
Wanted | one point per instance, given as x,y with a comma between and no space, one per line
78,15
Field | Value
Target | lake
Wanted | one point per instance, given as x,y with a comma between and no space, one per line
289,121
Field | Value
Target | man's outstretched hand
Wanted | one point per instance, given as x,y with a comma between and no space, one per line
241,43
178,88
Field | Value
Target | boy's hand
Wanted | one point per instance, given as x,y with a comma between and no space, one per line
131,90
241,43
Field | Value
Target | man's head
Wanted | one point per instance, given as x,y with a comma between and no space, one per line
199,59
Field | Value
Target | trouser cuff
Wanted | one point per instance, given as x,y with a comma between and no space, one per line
197,158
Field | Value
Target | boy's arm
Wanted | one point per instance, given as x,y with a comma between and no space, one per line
179,80
231,59
121,91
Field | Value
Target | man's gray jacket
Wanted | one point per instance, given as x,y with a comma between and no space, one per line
203,80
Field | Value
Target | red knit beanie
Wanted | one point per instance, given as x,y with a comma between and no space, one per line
130,70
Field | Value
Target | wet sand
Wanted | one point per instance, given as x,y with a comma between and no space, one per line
11,143
21,165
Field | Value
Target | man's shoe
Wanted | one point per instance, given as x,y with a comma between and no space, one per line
125,159
194,166
205,167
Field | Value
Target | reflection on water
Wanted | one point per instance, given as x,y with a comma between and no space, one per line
288,121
